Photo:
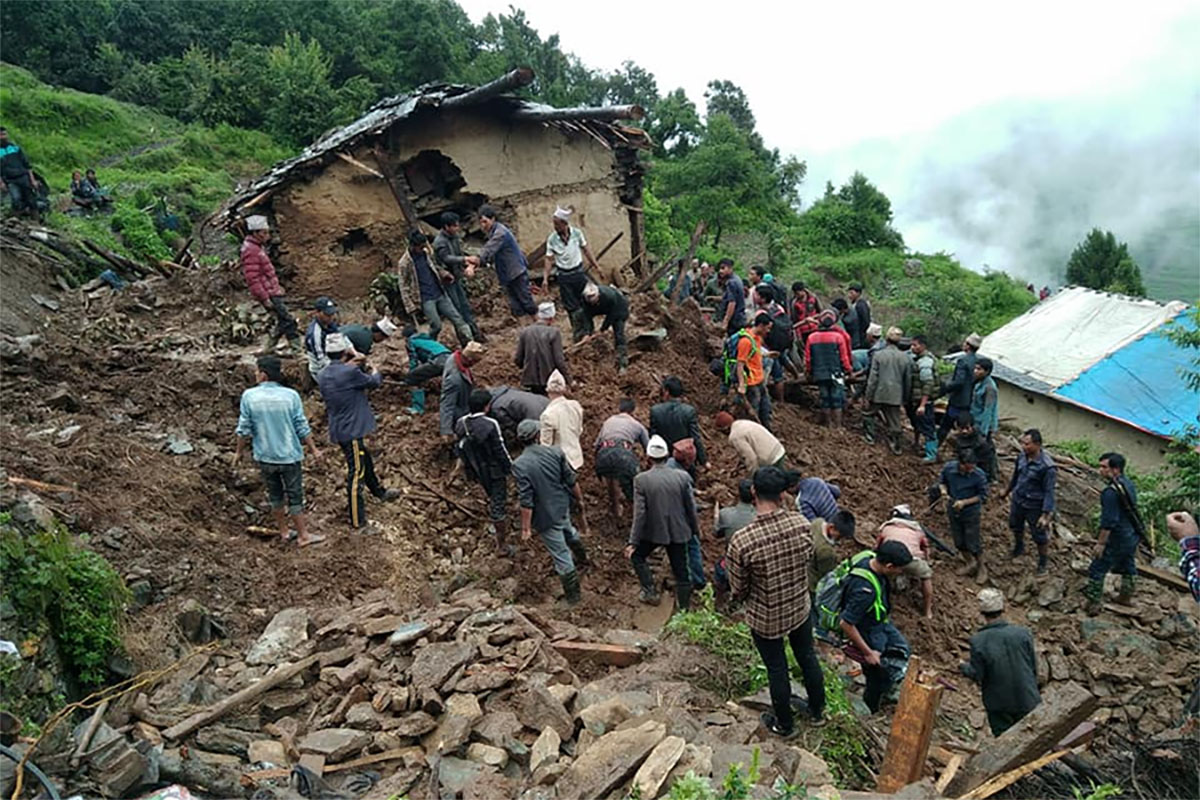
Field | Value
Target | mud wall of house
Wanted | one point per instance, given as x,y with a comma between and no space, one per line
343,227
1061,422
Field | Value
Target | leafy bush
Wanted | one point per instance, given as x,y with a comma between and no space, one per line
139,234
47,574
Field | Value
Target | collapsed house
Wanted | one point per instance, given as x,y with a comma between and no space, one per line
343,207
1094,365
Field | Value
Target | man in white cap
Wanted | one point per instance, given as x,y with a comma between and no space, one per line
263,284
889,383
344,386
664,515
1004,663
566,249
545,485
363,338
540,351
903,527
562,421
614,305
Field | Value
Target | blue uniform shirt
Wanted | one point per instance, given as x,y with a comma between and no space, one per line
964,487
1113,516
1032,483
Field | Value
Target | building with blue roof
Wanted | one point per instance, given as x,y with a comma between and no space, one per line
1093,365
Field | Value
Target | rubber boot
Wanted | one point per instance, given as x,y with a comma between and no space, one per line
500,531
580,554
1019,544
894,444
646,579
869,429
1126,592
981,575
931,450
969,568
1043,559
1094,592
570,584
683,596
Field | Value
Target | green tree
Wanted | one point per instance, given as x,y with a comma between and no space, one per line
675,125
301,106
1184,331
855,217
1101,262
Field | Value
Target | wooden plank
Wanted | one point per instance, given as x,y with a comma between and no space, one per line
398,185
662,270
949,772
1001,782
351,160
1061,710
1164,577
612,654
687,261
30,483
251,692
912,730
609,246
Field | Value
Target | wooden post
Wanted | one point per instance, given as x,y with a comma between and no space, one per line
687,261
609,246
658,273
912,729
637,238
399,186
1063,708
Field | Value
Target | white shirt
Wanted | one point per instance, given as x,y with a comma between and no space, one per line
567,255
562,425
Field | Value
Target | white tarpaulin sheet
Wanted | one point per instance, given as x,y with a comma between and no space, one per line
1062,336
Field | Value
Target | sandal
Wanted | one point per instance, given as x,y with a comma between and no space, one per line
314,538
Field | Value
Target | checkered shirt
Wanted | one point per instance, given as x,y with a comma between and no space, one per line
768,568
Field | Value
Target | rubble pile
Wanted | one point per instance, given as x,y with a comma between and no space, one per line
473,698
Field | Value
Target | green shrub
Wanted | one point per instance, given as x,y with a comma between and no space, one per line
139,234
48,574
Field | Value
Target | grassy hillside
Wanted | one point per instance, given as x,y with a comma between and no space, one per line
139,155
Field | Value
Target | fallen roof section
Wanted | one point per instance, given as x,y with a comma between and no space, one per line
601,123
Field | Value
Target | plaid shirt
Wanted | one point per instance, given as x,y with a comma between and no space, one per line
768,568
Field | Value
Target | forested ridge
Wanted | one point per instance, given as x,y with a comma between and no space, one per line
294,70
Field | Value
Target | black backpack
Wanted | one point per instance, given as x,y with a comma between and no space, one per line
781,336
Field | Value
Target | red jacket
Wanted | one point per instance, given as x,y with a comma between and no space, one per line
259,272
803,309
827,350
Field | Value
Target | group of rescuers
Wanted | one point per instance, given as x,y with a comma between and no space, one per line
779,553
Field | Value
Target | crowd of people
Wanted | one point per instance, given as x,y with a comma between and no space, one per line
780,540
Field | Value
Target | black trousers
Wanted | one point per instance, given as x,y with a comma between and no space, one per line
779,679
360,470
496,487
285,323
878,683
677,555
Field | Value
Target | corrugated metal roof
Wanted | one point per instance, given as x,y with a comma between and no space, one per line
1105,352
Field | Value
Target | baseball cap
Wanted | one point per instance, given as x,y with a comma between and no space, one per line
325,305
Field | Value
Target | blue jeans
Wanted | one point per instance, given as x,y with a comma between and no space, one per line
696,563
555,538
832,393
759,400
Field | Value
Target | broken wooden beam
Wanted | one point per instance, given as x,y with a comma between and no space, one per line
1164,577
653,277
912,730
515,79
952,767
1001,782
615,655
687,261
251,692
398,185
593,114
609,246
354,162
1061,710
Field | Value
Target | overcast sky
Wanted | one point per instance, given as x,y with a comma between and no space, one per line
992,128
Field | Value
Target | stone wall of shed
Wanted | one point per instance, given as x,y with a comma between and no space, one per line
339,229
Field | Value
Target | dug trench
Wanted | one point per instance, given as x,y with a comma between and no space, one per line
127,405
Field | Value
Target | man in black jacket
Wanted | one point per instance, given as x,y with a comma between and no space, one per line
485,458
958,390
609,301
448,252
1004,664
675,420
